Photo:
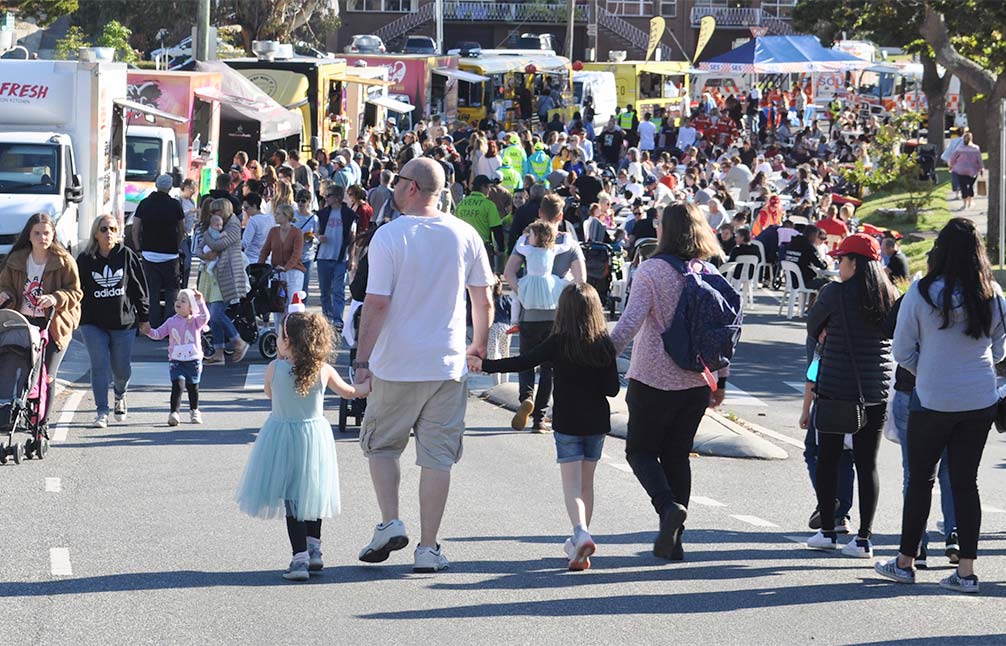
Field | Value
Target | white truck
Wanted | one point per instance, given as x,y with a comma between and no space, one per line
62,136
150,151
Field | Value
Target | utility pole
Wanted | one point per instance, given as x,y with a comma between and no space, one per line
569,30
592,29
202,40
438,12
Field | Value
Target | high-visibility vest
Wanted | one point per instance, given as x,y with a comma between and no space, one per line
625,120
539,164
835,106
511,178
515,155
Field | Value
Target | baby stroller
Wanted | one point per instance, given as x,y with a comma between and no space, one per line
251,315
926,155
599,259
354,408
23,387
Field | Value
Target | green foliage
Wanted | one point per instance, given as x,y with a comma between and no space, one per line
890,165
143,18
42,12
67,46
116,35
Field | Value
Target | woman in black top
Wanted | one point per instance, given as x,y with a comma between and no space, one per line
584,375
849,317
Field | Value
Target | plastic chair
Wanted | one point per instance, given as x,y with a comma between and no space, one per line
747,281
795,292
763,264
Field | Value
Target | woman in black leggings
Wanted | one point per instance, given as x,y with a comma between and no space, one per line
848,318
951,334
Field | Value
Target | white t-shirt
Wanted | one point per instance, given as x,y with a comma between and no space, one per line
647,132
32,288
686,137
424,264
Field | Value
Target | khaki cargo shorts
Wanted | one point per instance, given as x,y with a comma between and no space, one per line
435,410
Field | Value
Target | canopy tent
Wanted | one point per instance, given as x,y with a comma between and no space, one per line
242,100
782,55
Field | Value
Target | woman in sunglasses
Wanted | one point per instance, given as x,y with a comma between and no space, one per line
114,304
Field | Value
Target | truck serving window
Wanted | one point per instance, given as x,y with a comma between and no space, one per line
29,168
143,158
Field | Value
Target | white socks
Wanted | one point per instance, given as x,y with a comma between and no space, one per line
313,542
301,557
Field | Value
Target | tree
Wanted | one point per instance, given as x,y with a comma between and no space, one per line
68,46
42,12
116,36
278,19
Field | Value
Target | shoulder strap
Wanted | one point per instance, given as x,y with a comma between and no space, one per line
673,261
848,343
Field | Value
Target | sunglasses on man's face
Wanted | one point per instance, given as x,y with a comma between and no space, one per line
303,201
106,228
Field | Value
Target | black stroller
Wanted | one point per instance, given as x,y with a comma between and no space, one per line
354,408
600,263
926,156
251,315
24,387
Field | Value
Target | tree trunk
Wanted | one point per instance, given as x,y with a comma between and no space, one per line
994,172
935,89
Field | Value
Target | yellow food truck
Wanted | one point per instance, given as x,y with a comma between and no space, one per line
648,85
497,77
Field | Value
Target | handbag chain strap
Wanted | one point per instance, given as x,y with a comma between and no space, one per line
848,343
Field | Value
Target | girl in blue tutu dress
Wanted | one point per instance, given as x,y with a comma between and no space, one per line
539,288
292,470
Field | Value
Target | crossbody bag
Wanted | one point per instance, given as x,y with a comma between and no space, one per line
836,416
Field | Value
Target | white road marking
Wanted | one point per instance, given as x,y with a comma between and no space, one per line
775,435
989,509
150,374
66,416
708,502
53,485
799,540
621,467
59,561
739,397
753,520
255,377
798,386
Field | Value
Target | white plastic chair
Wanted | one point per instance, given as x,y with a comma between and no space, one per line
795,292
763,264
748,279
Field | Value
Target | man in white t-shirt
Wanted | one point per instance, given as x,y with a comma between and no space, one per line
686,136
647,133
412,347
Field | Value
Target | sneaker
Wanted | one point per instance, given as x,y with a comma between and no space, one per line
678,551
959,583
120,409
240,350
520,417
890,570
388,537
815,519
583,547
820,541
195,416
922,561
670,522
314,564
568,549
173,418
842,526
953,550
858,548
541,426
298,571
429,560
101,421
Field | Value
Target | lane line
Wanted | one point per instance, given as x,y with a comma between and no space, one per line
738,397
989,509
255,377
66,416
59,561
753,520
798,386
53,485
621,467
708,502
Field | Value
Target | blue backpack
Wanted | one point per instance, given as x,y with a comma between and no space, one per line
707,322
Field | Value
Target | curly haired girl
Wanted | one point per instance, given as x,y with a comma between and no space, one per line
292,468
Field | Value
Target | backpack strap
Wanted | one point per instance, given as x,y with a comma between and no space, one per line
685,267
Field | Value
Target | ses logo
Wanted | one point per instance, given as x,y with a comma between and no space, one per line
11,92
108,280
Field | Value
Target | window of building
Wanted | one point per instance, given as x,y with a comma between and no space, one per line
392,6
711,3
778,8
669,9
631,8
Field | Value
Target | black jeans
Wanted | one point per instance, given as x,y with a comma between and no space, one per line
661,429
533,333
865,446
161,275
963,435
299,530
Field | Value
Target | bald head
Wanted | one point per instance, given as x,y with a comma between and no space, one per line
419,184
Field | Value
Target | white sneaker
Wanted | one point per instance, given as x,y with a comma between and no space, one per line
120,409
583,545
821,542
568,549
173,419
195,417
388,537
858,548
429,560
101,421
842,526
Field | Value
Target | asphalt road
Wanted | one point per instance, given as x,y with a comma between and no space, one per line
130,535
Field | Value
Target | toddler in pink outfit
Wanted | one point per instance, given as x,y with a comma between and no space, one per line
185,350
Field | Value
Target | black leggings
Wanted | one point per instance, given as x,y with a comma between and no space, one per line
176,394
865,446
963,435
967,184
299,530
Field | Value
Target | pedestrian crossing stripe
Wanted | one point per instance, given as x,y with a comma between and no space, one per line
738,397
255,378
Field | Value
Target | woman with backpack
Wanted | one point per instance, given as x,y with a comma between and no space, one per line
950,334
666,403
853,375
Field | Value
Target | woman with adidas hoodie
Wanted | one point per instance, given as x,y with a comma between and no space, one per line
114,305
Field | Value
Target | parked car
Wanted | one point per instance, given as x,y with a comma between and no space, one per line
468,48
420,45
366,44
537,41
184,50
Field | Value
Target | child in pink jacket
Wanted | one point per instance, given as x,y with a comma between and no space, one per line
185,350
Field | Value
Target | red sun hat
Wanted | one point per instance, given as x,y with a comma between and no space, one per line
859,244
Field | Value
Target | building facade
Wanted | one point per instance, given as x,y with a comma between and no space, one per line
618,25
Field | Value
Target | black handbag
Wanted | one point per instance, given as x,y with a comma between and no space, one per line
1001,404
835,416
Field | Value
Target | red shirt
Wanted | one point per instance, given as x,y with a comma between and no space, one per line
364,213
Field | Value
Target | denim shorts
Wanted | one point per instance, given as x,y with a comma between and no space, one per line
576,448
190,371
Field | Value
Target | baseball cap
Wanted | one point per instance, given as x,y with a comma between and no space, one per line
540,146
859,244
513,138
480,181
650,180
236,168
163,182
392,120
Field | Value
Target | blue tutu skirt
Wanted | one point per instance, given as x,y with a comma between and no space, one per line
292,470
540,292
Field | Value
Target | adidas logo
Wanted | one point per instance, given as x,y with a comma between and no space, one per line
107,278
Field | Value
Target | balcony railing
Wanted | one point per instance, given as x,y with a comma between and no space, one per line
513,12
733,17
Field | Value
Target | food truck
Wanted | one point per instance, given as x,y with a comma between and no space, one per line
430,82
62,141
649,85
188,150
503,73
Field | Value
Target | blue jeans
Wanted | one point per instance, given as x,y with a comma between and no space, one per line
332,289
221,327
899,410
846,475
955,182
307,278
109,351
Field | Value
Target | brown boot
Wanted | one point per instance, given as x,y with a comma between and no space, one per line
240,350
216,358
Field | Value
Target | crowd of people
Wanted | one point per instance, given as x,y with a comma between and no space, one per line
453,237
